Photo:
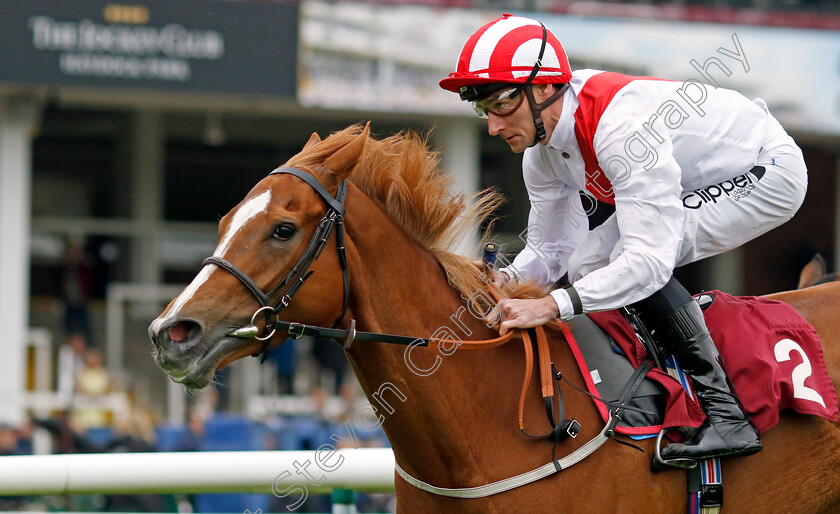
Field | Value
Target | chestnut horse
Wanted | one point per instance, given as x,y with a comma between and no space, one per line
450,416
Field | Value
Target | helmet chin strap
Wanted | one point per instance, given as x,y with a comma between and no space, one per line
536,109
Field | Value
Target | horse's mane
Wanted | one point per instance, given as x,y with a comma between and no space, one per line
402,175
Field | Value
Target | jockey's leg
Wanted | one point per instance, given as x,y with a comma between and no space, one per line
677,323
772,192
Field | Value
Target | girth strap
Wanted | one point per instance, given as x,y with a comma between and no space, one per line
513,482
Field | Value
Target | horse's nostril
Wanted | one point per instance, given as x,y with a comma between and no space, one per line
181,331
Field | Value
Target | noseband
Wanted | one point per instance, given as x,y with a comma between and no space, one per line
291,283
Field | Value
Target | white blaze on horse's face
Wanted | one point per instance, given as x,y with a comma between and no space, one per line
254,206
251,208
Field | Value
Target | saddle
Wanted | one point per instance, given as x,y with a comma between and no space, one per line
607,371
772,355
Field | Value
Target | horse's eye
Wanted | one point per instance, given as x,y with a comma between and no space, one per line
285,231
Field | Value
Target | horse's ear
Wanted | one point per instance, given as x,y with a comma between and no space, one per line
342,162
812,272
314,139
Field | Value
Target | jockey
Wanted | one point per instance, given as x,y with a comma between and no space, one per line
693,171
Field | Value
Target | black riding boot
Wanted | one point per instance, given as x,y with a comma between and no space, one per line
727,430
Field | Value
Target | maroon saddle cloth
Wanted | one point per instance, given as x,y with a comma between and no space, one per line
771,353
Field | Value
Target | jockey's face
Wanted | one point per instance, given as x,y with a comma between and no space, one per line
517,128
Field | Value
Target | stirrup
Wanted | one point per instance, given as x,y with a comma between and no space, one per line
659,464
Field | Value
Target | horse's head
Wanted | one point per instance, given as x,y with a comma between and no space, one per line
268,245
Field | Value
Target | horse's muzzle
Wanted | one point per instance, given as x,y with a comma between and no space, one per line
190,353
176,345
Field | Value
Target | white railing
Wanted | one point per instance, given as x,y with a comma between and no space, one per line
362,469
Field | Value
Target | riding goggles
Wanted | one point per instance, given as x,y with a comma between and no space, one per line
502,103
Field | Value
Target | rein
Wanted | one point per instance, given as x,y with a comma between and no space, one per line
349,335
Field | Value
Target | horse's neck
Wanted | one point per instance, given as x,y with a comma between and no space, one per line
399,288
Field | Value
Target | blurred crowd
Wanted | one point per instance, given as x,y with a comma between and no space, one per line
99,414
208,427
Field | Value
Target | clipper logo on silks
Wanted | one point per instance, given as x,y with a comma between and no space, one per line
736,188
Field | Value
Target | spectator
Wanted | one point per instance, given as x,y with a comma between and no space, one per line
9,445
331,379
67,439
8,440
221,380
284,358
77,285
24,434
134,433
330,357
206,403
193,439
92,381
70,362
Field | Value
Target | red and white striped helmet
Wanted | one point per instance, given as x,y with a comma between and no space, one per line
506,51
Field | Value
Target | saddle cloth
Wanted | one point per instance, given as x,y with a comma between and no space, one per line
771,353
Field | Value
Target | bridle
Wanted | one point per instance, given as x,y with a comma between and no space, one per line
291,283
